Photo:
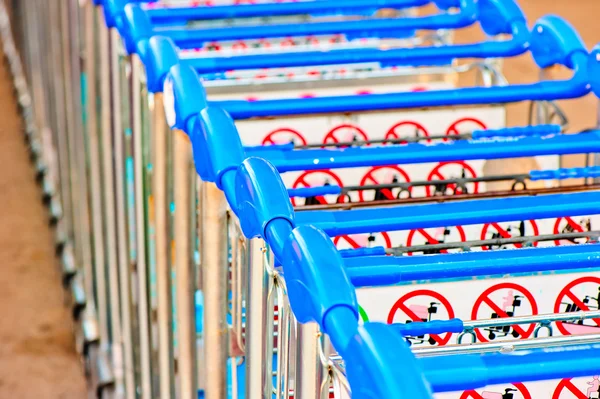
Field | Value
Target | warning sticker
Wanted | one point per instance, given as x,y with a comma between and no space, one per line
422,306
449,171
492,231
407,129
465,125
284,135
581,389
355,241
572,225
434,236
504,300
582,294
513,391
384,175
345,133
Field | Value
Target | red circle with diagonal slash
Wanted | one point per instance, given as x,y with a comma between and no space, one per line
454,128
301,181
567,387
472,394
437,174
369,179
567,292
286,134
505,234
354,240
400,306
485,298
430,239
577,228
420,130
332,136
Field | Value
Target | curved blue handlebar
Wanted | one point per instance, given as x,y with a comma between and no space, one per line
408,217
431,327
380,271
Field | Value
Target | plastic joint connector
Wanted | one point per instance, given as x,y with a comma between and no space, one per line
135,26
184,96
159,55
554,42
498,16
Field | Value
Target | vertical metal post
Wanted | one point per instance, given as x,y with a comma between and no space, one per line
93,150
310,378
215,265
140,219
185,276
119,101
160,132
258,376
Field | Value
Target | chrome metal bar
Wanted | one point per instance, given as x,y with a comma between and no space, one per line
185,276
214,253
257,375
310,377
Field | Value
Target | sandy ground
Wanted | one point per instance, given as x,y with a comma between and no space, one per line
37,356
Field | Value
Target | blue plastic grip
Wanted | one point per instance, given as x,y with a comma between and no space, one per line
381,365
261,197
305,192
312,267
217,145
524,131
499,16
431,327
565,173
554,41
134,26
594,70
184,96
158,57
362,252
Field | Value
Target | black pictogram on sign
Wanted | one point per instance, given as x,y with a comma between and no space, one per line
492,231
434,236
504,300
581,294
569,225
284,135
448,171
384,175
514,391
422,306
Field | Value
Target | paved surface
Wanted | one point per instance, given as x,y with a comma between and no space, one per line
37,357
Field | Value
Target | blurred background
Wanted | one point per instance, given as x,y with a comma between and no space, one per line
37,351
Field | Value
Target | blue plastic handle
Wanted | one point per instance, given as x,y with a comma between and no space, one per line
381,271
465,372
380,365
414,153
182,15
135,25
565,173
519,131
594,70
408,217
305,192
430,327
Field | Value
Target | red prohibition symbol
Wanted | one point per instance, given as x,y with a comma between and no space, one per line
284,135
515,295
566,389
581,294
406,129
443,169
431,239
345,133
355,241
383,175
514,388
568,225
429,302
454,128
317,178
495,230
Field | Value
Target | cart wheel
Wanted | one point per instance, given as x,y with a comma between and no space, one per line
491,335
515,334
432,341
